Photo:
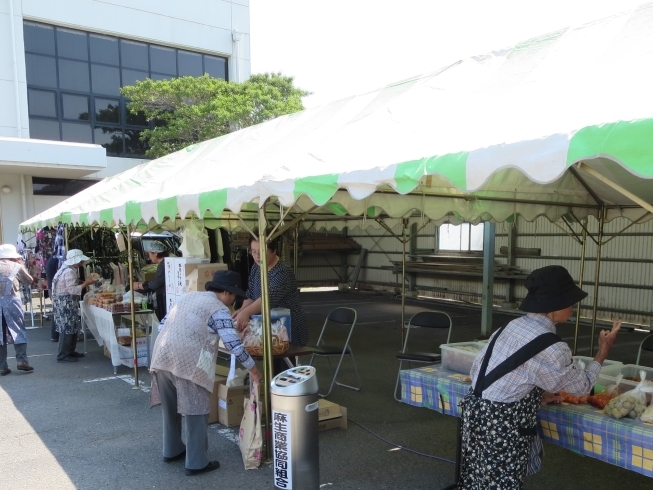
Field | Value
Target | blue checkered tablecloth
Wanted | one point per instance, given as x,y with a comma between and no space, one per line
582,428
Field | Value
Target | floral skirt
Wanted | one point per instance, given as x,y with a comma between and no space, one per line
496,441
66,314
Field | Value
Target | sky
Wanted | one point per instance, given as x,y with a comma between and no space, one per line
338,48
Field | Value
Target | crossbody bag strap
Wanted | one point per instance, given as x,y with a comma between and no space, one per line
525,353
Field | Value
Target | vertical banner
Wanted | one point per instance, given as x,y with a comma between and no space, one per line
282,449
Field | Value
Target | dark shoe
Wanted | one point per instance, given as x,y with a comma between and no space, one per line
213,465
181,455
67,359
54,340
76,354
23,366
5,372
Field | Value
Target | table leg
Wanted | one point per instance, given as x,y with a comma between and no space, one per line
84,330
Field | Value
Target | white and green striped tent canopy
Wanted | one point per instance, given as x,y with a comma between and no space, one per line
542,128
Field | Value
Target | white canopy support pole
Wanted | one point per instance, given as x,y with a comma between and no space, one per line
130,262
580,285
597,273
267,328
616,187
404,223
489,231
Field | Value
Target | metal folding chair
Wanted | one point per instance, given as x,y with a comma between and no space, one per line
647,344
423,319
340,318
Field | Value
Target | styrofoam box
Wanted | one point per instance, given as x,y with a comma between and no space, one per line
587,361
457,359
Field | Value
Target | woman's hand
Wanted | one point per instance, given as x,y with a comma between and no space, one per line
137,285
241,319
548,398
255,376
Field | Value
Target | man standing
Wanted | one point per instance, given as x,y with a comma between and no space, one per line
12,275
66,293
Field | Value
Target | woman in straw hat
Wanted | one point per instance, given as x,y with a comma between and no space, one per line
66,293
12,275
521,362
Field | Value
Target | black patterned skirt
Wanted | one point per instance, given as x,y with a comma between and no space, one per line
496,441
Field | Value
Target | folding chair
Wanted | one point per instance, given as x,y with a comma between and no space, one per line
423,319
647,344
340,318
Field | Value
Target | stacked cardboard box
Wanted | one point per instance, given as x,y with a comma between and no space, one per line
127,353
184,275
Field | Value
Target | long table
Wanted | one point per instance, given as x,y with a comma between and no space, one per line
102,324
582,428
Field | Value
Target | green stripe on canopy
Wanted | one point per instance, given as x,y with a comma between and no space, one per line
630,143
166,208
106,216
214,201
133,212
452,166
319,188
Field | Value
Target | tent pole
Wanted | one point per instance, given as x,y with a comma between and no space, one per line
403,281
65,235
130,260
596,278
580,285
296,252
267,331
489,233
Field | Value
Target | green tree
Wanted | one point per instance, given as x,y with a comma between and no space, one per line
187,110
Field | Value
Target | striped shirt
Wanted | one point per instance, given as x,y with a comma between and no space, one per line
283,294
66,281
553,369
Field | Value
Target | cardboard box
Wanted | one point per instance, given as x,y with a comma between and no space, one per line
174,268
230,404
127,354
213,400
336,423
222,370
327,410
183,267
197,278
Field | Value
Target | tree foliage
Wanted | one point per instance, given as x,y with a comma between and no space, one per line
187,110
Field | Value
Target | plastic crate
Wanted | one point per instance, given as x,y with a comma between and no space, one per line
460,359
628,371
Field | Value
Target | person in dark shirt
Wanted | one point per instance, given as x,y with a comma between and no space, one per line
51,268
157,252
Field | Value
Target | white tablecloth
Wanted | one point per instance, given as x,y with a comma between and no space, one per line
101,324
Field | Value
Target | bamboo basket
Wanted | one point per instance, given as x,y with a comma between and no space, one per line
278,347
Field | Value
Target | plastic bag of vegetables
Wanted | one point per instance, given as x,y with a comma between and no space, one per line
630,404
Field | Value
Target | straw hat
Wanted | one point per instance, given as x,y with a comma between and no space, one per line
8,251
75,256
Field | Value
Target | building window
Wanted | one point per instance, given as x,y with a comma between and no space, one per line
42,186
74,79
460,238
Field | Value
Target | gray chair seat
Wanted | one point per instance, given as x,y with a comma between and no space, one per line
419,357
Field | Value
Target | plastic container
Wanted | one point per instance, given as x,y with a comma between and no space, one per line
587,360
610,373
460,356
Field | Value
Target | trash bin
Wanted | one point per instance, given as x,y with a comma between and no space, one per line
295,441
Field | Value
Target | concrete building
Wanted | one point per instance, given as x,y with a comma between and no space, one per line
63,123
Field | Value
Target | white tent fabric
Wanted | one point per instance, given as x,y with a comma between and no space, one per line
479,140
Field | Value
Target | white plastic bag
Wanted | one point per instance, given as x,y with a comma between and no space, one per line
236,377
195,240
630,404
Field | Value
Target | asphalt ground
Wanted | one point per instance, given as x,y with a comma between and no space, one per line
79,426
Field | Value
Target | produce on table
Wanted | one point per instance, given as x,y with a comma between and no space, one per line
573,399
600,400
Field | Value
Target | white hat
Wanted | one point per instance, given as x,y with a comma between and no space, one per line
75,256
8,251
